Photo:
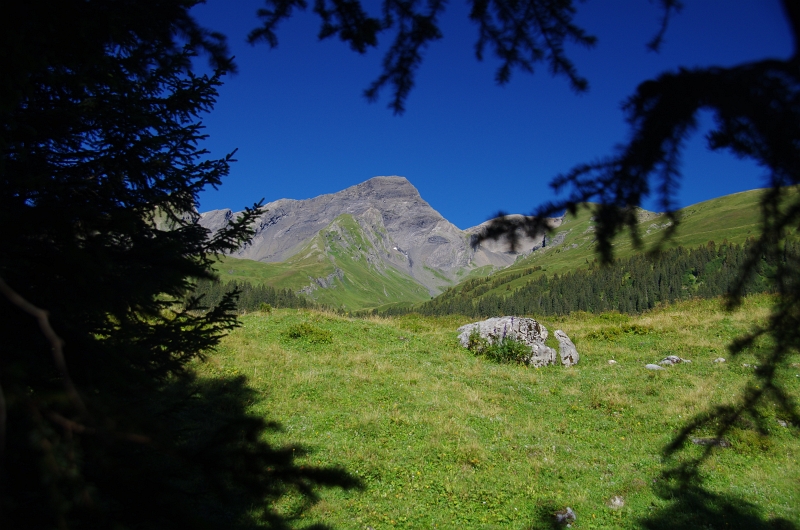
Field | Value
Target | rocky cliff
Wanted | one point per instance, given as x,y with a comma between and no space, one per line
402,230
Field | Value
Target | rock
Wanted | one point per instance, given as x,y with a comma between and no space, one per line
612,361
783,423
566,349
527,331
616,502
565,517
719,360
672,359
653,367
541,355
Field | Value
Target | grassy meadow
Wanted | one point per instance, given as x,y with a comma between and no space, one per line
443,439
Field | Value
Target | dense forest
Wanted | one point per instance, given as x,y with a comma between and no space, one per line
251,296
630,285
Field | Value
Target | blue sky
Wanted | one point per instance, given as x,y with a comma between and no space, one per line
303,128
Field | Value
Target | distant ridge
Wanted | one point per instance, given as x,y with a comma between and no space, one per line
401,230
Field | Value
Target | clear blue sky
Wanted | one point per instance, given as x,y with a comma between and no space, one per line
303,128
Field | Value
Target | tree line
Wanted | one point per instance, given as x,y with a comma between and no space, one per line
630,285
251,297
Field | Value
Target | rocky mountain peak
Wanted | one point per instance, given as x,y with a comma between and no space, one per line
381,188
405,231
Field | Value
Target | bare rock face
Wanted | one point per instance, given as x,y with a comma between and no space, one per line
525,330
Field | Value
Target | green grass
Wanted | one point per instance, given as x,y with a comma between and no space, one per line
444,439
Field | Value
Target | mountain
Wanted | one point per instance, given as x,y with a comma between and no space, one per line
379,241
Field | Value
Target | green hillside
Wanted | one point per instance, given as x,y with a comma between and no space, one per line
334,269
732,218
441,438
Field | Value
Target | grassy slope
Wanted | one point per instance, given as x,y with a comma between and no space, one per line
341,245
442,439
733,217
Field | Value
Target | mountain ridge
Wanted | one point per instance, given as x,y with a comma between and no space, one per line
404,232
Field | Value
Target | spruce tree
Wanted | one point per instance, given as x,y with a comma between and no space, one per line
102,421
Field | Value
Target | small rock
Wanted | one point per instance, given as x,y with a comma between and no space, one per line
653,367
672,359
612,361
721,442
719,360
565,516
783,423
616,502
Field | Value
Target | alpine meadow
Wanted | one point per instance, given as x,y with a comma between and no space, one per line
330,362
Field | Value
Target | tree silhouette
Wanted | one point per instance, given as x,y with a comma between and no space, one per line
103,422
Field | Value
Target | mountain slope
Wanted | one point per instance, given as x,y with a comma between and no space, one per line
380,229
733,218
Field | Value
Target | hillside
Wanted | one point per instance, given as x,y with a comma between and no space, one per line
732,219
338,267
398,230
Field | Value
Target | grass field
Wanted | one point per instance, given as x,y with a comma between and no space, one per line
442,439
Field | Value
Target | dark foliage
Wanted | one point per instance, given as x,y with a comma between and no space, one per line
250,297
102,422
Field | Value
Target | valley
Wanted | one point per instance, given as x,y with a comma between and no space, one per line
441,438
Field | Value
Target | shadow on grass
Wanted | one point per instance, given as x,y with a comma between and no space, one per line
238,476
693,506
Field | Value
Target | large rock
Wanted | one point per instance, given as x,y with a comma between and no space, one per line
527,331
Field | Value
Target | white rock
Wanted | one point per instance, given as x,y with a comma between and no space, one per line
527,331
653,367
719,360
612,361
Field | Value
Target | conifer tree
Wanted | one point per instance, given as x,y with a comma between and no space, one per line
103,423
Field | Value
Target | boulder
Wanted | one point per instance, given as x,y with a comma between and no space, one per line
527,331
566,349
